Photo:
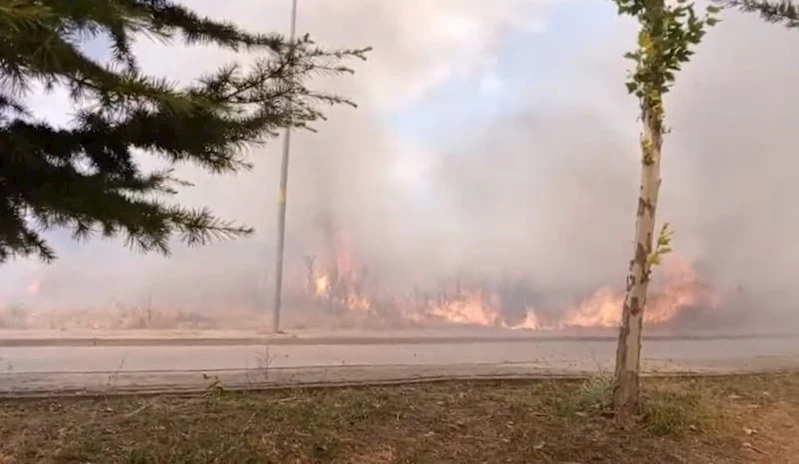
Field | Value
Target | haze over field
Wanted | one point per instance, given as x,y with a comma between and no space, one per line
494,142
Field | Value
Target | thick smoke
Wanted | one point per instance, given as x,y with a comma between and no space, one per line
544,191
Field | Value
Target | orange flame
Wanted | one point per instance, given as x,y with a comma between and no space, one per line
530,322
680,288
602,309
471,307
34,286
339,284
322,287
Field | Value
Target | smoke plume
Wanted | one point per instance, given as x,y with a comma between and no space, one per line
540,190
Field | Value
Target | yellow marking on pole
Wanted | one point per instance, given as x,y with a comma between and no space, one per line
281,196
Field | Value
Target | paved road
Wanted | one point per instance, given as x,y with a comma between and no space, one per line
93,369
77,338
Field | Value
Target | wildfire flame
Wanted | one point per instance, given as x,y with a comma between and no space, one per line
472,307
680,288
342,287
34,286
339,285
322,286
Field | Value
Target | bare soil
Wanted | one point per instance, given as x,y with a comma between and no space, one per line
742,419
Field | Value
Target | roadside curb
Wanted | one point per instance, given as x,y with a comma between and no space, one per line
145,391
289,340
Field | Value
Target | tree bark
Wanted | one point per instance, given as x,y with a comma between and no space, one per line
628,353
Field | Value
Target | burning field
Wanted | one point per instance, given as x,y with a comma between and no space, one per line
335,291
342,290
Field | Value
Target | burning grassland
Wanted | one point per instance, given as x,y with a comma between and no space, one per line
335,291
340,289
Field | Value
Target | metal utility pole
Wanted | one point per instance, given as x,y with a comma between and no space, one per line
281,200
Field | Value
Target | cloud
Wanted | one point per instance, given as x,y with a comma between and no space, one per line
490,83
418,43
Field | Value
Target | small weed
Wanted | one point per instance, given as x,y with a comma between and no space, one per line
265,360
214,390
15,316
113,378
594,394
139,456
591,396
678,413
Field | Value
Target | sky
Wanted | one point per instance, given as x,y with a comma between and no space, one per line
492,137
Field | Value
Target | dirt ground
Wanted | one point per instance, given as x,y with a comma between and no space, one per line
743,419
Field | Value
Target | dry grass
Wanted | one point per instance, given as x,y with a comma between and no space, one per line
713,420
152,317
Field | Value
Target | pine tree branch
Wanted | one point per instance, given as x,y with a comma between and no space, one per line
785,12
168,18
17,238
63,196
84,177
